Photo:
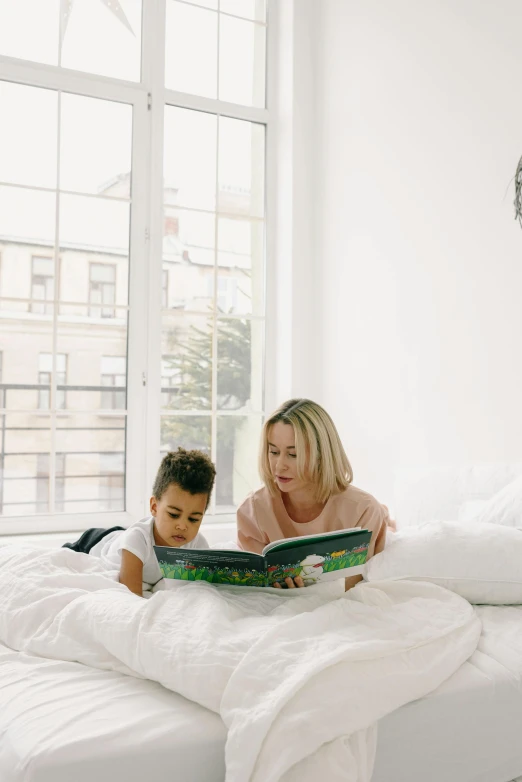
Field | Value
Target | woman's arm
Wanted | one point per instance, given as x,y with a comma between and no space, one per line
375,518
249,536
131,572
351,582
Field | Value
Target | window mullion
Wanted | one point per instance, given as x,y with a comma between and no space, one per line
153,76
137,343
56,304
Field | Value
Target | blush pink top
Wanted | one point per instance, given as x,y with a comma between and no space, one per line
262,519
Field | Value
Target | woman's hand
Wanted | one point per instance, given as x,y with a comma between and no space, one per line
291,583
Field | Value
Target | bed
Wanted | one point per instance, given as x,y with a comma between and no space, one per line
62,721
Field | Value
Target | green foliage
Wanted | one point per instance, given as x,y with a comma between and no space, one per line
238,577
191,357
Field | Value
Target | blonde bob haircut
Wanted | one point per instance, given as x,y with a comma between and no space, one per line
321,458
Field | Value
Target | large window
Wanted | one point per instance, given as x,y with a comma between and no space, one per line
132,238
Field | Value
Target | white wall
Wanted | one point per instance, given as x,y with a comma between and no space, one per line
418,130
293,340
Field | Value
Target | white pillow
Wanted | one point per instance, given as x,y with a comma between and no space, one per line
505,507
480,562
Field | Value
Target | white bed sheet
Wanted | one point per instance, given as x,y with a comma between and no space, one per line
63,721
468,730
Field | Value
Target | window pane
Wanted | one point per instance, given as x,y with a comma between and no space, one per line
96,138
188,260
241,61
27,216
186,382
29,29
236,460
93,257
45,367
24,452
112,479
249,9
113,365
23,337
84,443
241,266
240,359
190,158
96,360
114,378
185,431
102,37
28,134
94,224
191,49
241,167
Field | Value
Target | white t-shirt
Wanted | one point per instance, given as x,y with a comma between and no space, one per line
139,540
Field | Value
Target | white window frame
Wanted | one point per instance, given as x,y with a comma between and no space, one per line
148,99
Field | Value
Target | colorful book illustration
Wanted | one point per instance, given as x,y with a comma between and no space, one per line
315,558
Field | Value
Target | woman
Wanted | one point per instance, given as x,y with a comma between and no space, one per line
307,485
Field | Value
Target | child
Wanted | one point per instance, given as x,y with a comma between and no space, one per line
308,485
181,494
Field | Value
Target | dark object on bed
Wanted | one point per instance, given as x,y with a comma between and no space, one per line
90,538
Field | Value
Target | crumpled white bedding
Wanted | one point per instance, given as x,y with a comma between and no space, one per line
299,678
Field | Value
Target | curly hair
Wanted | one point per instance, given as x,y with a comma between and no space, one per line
192,471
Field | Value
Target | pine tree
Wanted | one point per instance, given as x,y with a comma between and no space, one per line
191,358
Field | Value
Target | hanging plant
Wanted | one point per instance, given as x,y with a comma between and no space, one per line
518,192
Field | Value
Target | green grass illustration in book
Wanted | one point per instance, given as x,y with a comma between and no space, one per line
315,558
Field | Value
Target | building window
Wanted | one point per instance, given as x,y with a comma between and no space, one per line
42,285
45,368
113,375
102,290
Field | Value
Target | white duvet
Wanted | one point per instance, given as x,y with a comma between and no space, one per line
300,678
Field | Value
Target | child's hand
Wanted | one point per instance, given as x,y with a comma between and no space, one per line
291,583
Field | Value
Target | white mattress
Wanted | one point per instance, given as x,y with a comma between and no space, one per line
62,721
468,730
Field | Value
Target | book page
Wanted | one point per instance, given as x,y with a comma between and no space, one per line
319,558
240,568
288,542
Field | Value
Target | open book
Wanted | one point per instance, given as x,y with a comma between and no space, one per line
315,558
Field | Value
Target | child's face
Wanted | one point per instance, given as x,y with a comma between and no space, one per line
178,515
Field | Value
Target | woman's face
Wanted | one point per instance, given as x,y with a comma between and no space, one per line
282,457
